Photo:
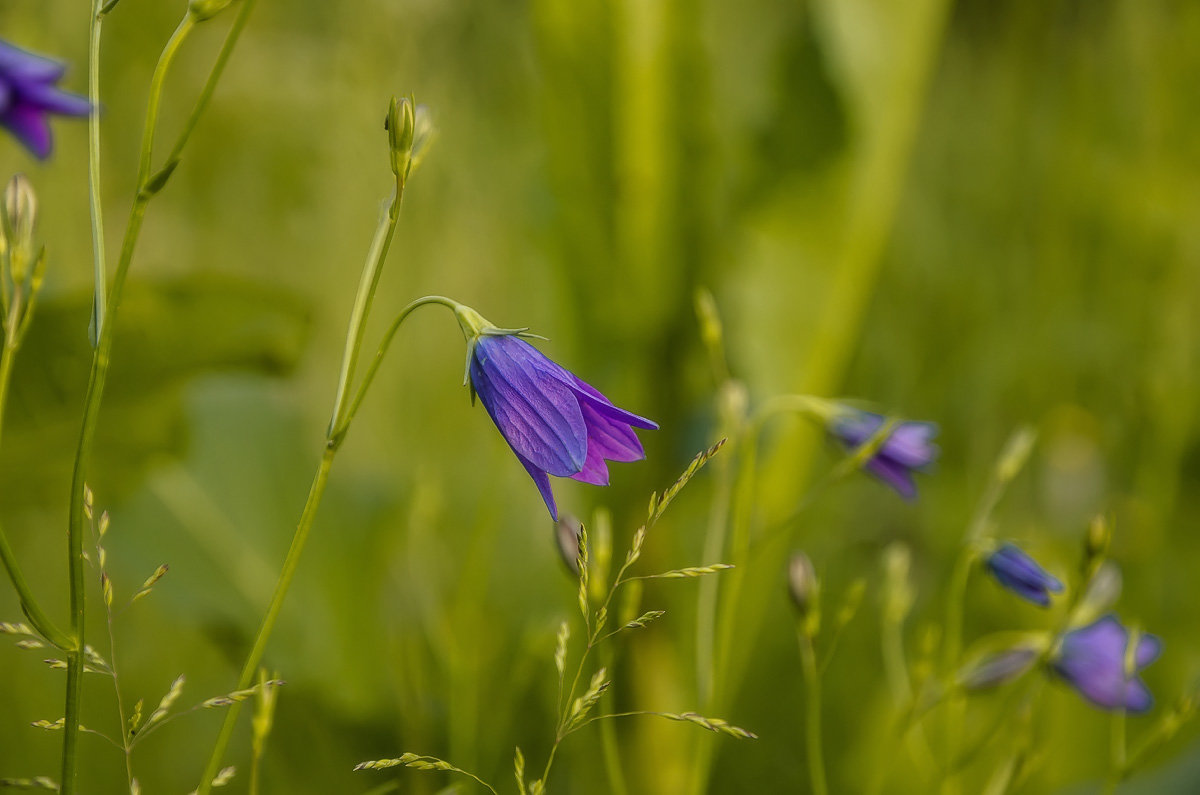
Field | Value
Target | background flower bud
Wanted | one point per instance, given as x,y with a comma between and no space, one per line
202,10
19,217
802,582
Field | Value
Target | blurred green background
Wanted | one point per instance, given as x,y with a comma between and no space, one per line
978,213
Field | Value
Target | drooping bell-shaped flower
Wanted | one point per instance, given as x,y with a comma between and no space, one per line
555,423
908,447
28,96
1093,660
1022,575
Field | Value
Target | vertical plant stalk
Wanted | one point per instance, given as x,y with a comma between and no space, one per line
1011,460
342,415
100,270
147,186
315,493
812,714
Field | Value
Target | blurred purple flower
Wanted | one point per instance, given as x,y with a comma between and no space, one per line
1092,660
554,422
1022,575
28,96
907,448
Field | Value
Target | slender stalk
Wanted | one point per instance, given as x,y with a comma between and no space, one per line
100,271
338,426
210,85
706,602
812,714
113,669
95,393
384,344
368,283
290,563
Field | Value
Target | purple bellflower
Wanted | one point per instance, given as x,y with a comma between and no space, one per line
28,95
1092,660
907,448
1022,575
554,422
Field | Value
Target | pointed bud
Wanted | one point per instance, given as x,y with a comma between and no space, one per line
201,10
1015,454
399,126
802,582
997,668
19,219
566,533
1095,544
805,589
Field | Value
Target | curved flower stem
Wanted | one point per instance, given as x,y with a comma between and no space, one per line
352,410
339,424
812,714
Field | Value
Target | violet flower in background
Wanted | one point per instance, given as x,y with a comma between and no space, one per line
907,448
1022,575
28,96
555,423
1092,660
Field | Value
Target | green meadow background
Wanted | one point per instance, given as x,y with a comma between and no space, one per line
980,213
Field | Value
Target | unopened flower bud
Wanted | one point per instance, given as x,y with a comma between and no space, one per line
997,668
1095,544
201,10
1015,454
805,590
19,218
399,126
566,533
1101,594
898,593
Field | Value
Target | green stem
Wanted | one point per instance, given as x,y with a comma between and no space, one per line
100,271
367,284
268,623
338,426
214,76
95,393
706,603
812,714
156,88
340,430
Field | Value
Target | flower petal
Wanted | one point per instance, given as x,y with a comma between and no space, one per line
21,65
542,482
54,100
594,471
910,444
536,413
1148,650
1092,660
1022,575
895,475
30,127
591,395
615,440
